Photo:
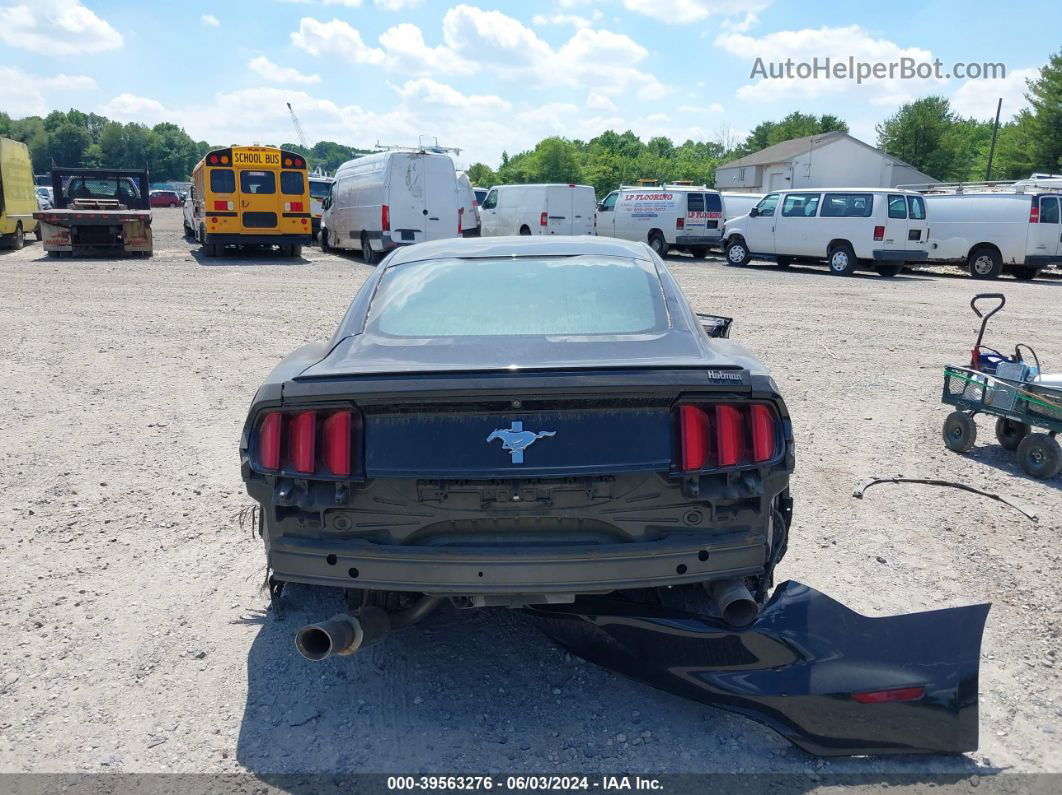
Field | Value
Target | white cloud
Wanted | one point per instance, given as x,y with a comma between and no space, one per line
600,102
407,51
750,21
396,5
210,21
681,12
576,21
130,107
275,73
433,92
334,38
597,60
715,107
56,27
978,98
402,47
838,44
23,94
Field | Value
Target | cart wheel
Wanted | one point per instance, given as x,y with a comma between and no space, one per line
1040,455
1010,432
960,432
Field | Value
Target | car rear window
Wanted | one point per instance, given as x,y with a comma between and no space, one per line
222,180
521,296
258,182
292,183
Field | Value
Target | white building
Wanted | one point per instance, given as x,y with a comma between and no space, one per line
829,160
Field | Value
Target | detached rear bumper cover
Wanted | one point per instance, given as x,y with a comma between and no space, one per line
799,666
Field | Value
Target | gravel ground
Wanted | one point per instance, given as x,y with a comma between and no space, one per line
136,636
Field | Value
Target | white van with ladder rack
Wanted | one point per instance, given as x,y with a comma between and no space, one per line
992,228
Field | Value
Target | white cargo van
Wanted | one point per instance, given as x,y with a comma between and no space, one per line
538,210
685,217
848,228
991,229
319,189
469,205
390,199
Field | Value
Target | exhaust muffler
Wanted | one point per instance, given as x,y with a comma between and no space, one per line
734,602
342,634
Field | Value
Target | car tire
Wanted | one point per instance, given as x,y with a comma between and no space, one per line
888,271
325,245
295,250
841,260
960,432
985,263
39,232
658,244
18,239
737,253
525,231
1040,456
1024,274
1010,432
368,256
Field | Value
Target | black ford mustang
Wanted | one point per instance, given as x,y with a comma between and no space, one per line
514,421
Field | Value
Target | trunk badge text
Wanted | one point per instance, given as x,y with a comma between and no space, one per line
515,439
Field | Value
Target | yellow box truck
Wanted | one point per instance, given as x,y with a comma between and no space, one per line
18,195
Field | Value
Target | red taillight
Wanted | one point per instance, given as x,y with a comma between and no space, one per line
886,696
543,219
302,435
385,218
680,223
460,216
693,425
213,159
321,443
728,433
298,162
269,435
335,438
221,205
722,435
762,424
1034,213
879,232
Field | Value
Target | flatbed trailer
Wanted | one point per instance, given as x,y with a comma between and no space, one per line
97,211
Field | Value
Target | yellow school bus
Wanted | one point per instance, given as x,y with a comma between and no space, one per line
249,196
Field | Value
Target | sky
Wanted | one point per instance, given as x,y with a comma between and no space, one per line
488,77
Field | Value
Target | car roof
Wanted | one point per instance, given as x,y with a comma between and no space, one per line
520,246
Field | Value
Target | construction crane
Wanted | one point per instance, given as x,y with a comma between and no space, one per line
298,128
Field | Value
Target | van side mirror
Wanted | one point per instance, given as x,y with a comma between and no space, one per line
753,212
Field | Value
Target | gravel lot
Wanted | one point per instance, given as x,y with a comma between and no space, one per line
135,629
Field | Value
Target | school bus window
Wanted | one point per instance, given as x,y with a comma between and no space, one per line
222,180
258,182
291,183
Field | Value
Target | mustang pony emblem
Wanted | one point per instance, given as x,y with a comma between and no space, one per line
515,439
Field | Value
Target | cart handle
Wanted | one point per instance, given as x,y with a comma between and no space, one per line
984,318
981,296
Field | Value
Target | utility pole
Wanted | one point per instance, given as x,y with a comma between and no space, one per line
992,149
